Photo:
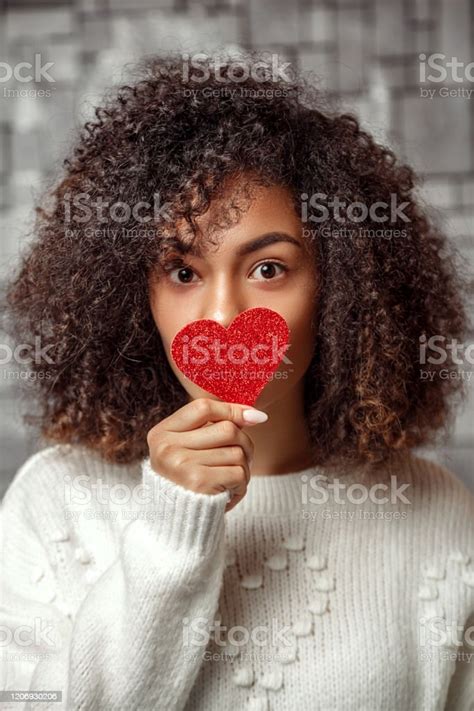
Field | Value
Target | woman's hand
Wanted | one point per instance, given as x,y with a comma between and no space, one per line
202,447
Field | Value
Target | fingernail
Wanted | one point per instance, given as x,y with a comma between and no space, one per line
254,416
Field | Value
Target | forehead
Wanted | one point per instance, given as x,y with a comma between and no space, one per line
239,216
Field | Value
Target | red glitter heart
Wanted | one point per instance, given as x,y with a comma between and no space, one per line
234,363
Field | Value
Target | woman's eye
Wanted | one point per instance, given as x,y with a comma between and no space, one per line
269,270
184,275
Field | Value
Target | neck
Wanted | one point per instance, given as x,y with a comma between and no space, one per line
282,443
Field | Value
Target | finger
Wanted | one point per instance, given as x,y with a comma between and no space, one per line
221,456
233,502
196,413
232,478
219,434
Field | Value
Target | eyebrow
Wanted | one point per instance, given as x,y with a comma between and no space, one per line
259,242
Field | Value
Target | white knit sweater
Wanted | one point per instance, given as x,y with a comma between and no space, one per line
110,590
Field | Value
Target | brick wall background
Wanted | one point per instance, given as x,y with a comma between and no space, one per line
365,51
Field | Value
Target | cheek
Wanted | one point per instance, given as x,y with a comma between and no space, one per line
301,321
168,321
164,316
302,347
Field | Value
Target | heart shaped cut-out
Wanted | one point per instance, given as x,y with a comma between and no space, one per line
234,363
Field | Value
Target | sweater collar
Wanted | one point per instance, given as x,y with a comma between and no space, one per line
275,493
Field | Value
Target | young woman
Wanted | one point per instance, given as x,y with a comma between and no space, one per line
170,550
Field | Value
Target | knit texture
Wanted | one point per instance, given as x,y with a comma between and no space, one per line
124,590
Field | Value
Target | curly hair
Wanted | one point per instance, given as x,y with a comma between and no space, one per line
83,292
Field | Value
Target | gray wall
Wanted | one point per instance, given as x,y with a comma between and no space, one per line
365,52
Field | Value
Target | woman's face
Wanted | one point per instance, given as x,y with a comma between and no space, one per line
260,261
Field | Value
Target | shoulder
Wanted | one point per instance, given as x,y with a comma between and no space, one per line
440,503
436,537
430,479
46,475
424,477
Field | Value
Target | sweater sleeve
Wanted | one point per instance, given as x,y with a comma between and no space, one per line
126,645
461,688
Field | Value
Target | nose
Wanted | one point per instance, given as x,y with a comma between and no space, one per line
223,303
